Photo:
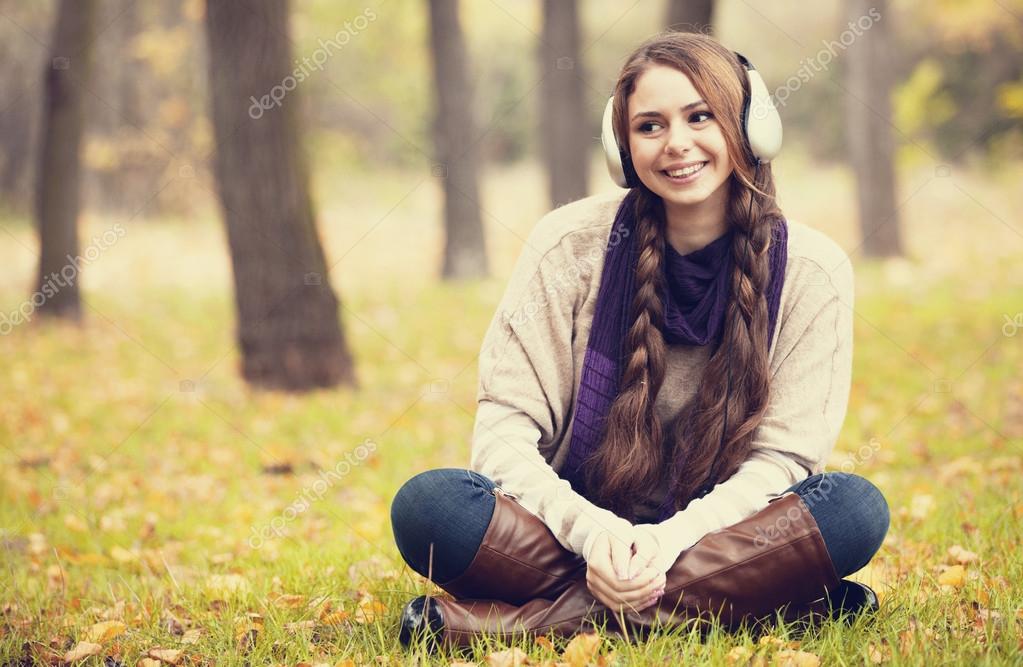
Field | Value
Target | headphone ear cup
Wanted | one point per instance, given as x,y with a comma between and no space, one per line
761,120
618,166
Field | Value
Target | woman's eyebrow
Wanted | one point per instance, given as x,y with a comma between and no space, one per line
655,114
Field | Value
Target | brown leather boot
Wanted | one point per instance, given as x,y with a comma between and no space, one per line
744,572
519,559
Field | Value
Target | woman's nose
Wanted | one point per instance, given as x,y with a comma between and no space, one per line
679,140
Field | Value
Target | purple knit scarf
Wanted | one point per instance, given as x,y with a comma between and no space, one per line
697,287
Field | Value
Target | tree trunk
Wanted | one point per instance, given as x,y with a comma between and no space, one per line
57,187
869,133
288,327
455,145
691,15
562,111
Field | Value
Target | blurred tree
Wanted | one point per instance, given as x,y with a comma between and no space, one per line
146,127
563,129
868,120
691,15
66,76
288,327
20,108
456,147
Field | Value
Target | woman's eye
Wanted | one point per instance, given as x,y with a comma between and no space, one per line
647,127
701,113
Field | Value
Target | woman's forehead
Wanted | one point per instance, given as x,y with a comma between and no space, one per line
662,89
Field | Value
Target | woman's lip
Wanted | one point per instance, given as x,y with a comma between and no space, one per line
685,179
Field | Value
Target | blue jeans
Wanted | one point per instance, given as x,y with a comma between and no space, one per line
448,510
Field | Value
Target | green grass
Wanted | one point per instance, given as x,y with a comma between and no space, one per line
125,497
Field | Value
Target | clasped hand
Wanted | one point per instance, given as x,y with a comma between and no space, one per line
623,577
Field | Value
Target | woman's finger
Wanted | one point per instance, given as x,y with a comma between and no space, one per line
621,554
645,551
615,599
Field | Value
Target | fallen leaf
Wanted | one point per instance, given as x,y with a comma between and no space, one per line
368,609
581,649
288,601
246,633
105,631
513,657
171,656
545,642
226,585
81,651
954,576
122,555
739,655
921,506
878,654
960,555
191,636
792,658
334,617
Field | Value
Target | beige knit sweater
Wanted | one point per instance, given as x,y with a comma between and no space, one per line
531,363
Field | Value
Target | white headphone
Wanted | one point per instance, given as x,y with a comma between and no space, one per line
762,128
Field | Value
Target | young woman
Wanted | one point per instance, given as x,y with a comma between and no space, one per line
664,379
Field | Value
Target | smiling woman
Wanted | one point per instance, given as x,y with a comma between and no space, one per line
662,423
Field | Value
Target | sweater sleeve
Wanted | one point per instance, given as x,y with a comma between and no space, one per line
526,383
806,409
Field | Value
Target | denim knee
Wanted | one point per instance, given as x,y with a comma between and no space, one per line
852,515
439,518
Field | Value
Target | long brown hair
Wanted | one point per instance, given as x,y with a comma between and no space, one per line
634,451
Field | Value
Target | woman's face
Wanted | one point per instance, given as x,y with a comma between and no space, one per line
671,132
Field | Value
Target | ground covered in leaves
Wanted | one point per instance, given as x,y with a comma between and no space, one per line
156,511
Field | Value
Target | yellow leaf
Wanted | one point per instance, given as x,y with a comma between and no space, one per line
921,506
191,636
513,657
226,585
81,651
368,609
792,658
545,642
122,555
171,656
581,649
75,523
149,662
288,600
246,633
739,655
954,576
960,555
334,618
105,631
879,653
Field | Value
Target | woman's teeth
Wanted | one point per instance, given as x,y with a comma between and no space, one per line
688,171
